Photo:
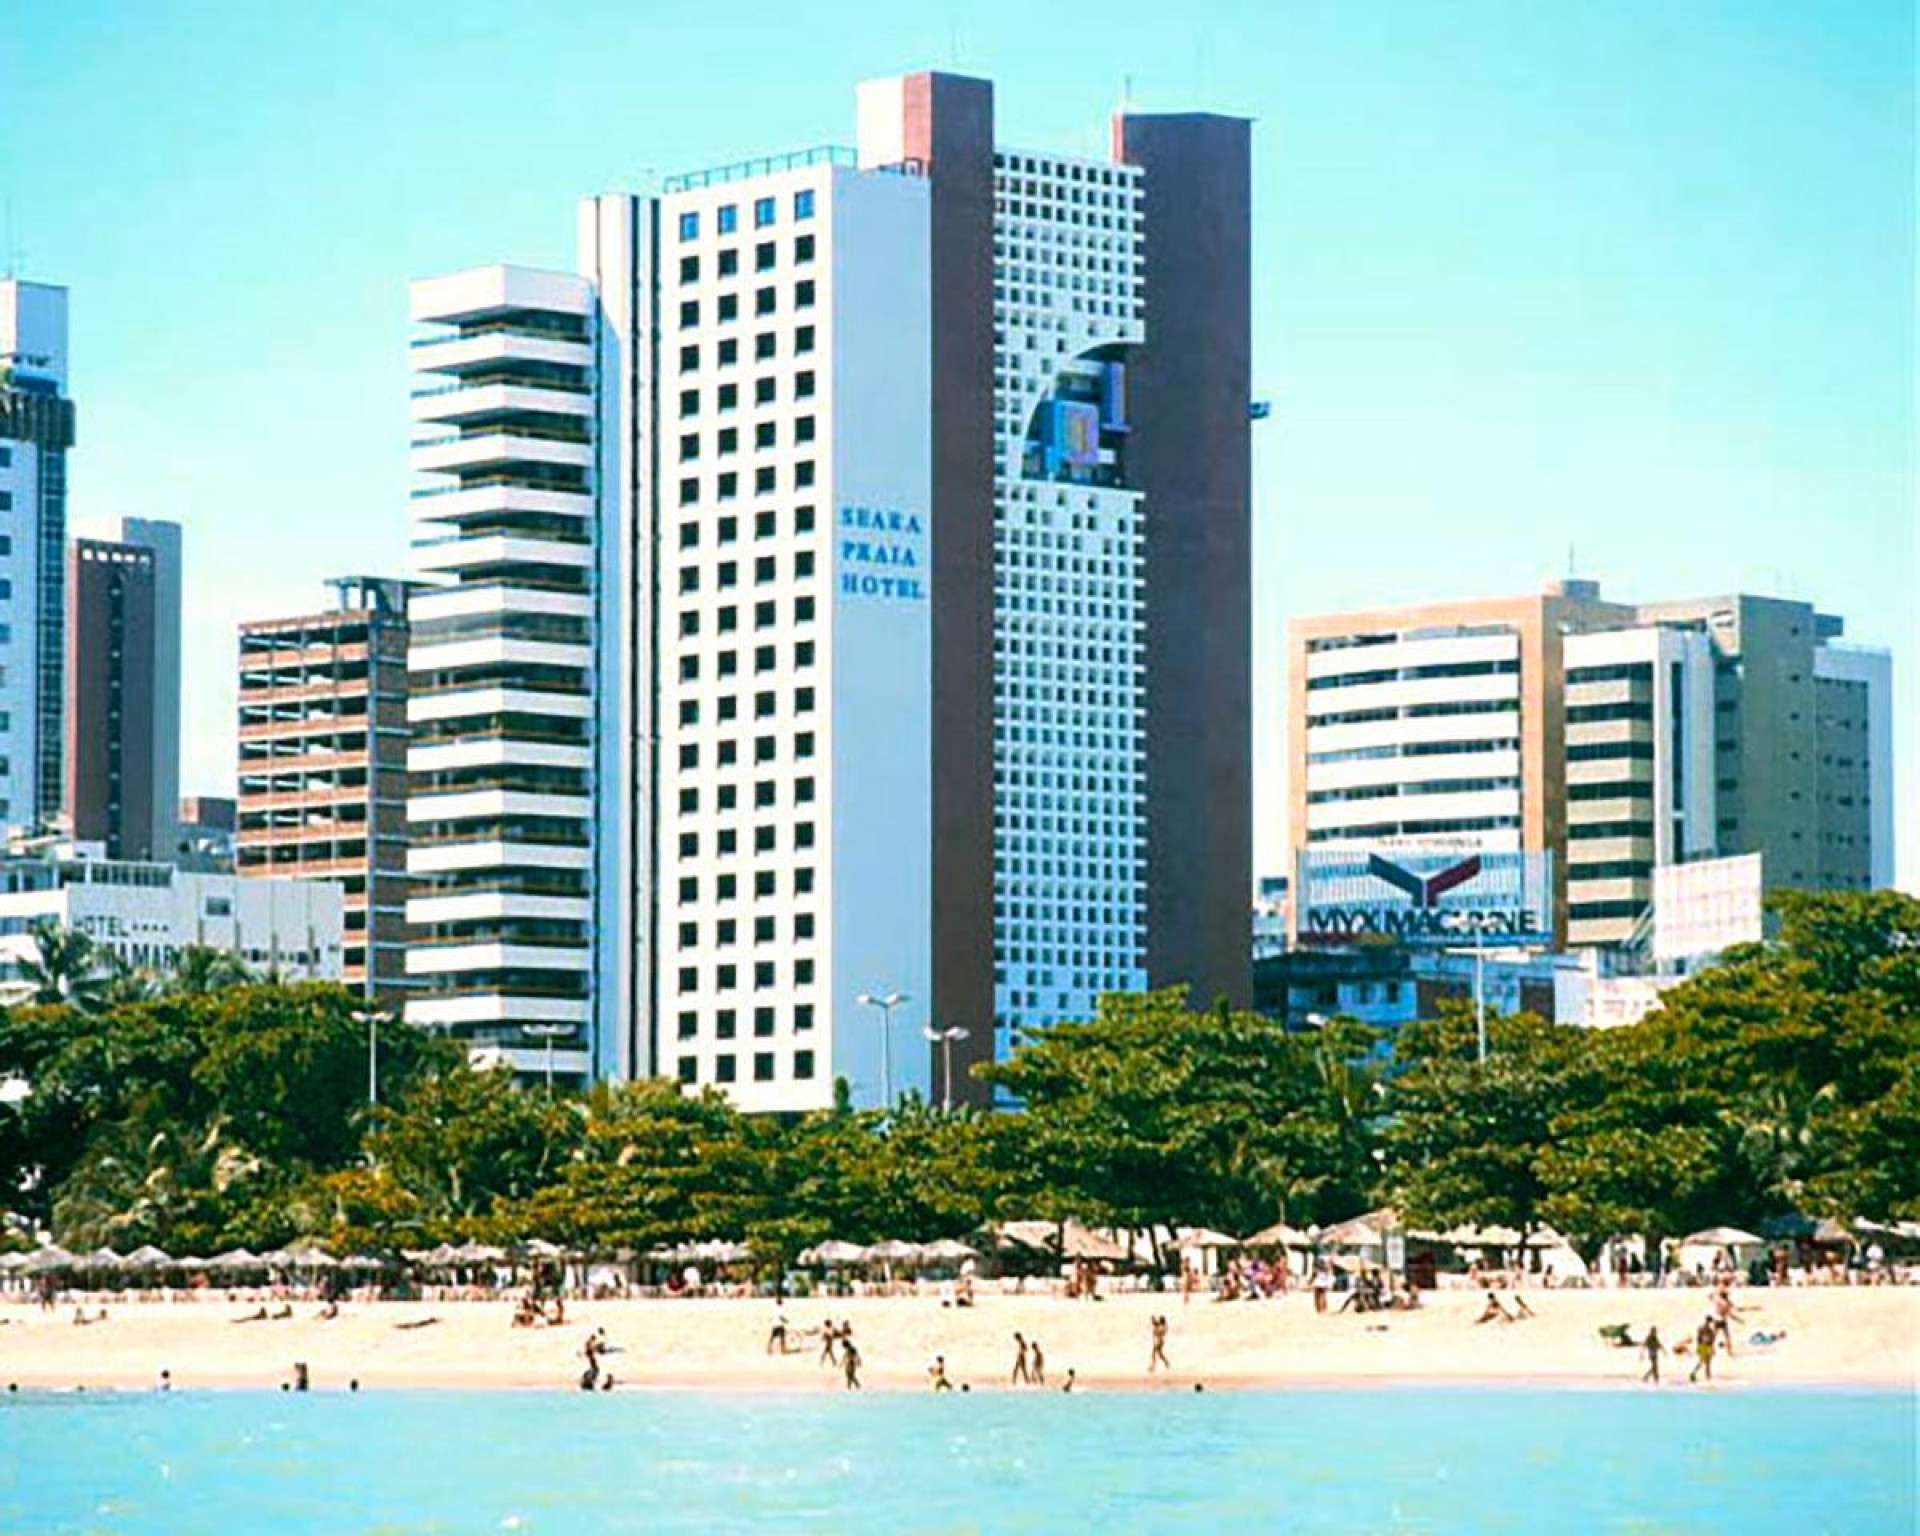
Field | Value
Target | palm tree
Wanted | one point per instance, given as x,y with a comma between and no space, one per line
66,966
126,982
199,969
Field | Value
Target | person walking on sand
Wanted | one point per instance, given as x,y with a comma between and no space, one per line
1703,1351
850,1363
777,1335
1724,1312
937,1375
1651,1344
1322,1283
829,1338
1037,1363
1020,1371
1158,1359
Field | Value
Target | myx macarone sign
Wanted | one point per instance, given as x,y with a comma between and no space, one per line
1424,896
882,553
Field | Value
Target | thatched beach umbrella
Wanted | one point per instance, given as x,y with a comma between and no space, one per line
947,1250
1279,1235
147,1257
49,1259
312,1257
832,1254
235,1259
891,1251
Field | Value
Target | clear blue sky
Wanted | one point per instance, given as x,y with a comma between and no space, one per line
1624,284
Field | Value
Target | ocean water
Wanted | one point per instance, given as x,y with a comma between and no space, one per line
1353,1461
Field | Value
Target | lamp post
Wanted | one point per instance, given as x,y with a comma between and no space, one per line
372,1018
944,1038
886,1002
548,1033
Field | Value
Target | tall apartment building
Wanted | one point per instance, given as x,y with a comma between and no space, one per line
36,430
516,646
322,771
1616,738
122,728
910,632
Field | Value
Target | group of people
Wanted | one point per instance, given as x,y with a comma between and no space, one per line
535,1311
598,1376
1713,1336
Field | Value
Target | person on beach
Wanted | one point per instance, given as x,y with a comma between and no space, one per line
1020,1371
937,1375
850,1363
1037,1363
777,1335
1724,1312
1703,1341
1651,1344
165,1383
1322,1283
1493,1311
1158,1359
1068,1386
829,1338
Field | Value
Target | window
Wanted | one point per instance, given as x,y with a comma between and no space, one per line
729,306
803,248
802,973
803,878
803,474
723,1068
689,1024
764,256
729,440
729,396
729,529
762,974
763,301
765,525
729,218
803,563
803,207
689,979
763,1021
724,886
689,758
803,339
764,435
764,391
802,1065
764,616
689,269
762,212
803,520
729,353
803,654
689,1068
729,263
689,492
803,1016
689,402
763,1066
802,384
764,480
690,312
689,226
689,359
689,888
763,930
803,747
728,486
690,446
763,346
803,295
803,430
763,571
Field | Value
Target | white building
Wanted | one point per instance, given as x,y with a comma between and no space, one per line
147,913
502,666
36,430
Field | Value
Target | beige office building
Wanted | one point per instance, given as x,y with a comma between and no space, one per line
1618,739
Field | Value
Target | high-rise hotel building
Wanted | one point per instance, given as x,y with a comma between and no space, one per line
36,430
888,518
1615,738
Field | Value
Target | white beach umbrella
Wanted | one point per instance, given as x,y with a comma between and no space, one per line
146,1256
947,1250
103,1258
312,1257
235,1258
46,1260
833,1254
1203,1237
1722,1237
480,1253
892,1251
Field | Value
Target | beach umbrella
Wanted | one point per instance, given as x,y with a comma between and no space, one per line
479,1253
312,1257
720,1251
146,1256
1203,1237
832,1254
103,1258
1722,1237
540,1248
12,1261
48,1259
235,1258
947,1250
891,1251
192,1261
1279,1235
363,1261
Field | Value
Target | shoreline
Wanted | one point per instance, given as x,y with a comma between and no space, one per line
1865,1339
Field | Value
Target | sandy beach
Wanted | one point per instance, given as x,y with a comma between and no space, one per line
1837,1337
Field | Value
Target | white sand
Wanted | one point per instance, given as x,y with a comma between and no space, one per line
1866,1336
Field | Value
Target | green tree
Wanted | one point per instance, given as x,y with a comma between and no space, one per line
65,967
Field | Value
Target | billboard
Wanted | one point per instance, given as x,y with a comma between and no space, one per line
1423,896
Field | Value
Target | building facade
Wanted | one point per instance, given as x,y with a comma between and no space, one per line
509,658
893,568
322,769
146,912
122,728
36,431
1615,739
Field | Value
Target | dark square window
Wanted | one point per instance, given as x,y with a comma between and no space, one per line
803,973
729,396
723,1069
726,977
802,1065
765,435
763,1021
763,839
765,524
803,384
689,888
729,262
724,886
729,352
803,294
689,979
689,492
803,653
689,535
763,301
803,519
689,312
803,339
803,248
689,939
762,974
729,529
689,1025
763,930
802,881
764,391
803,563
689,402
727,487
689,359
803,430
689,1068
763,792
689,269
803,474
729,307
765,615
764,256
763,882
764,345
763,1066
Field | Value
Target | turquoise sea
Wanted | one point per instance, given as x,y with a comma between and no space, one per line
1357,1461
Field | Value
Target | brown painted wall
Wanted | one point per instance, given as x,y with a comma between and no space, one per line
949,128
1188,389
110,684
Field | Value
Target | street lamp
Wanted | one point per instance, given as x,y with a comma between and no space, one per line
886,1002
548,1033
373,1018
944,1038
